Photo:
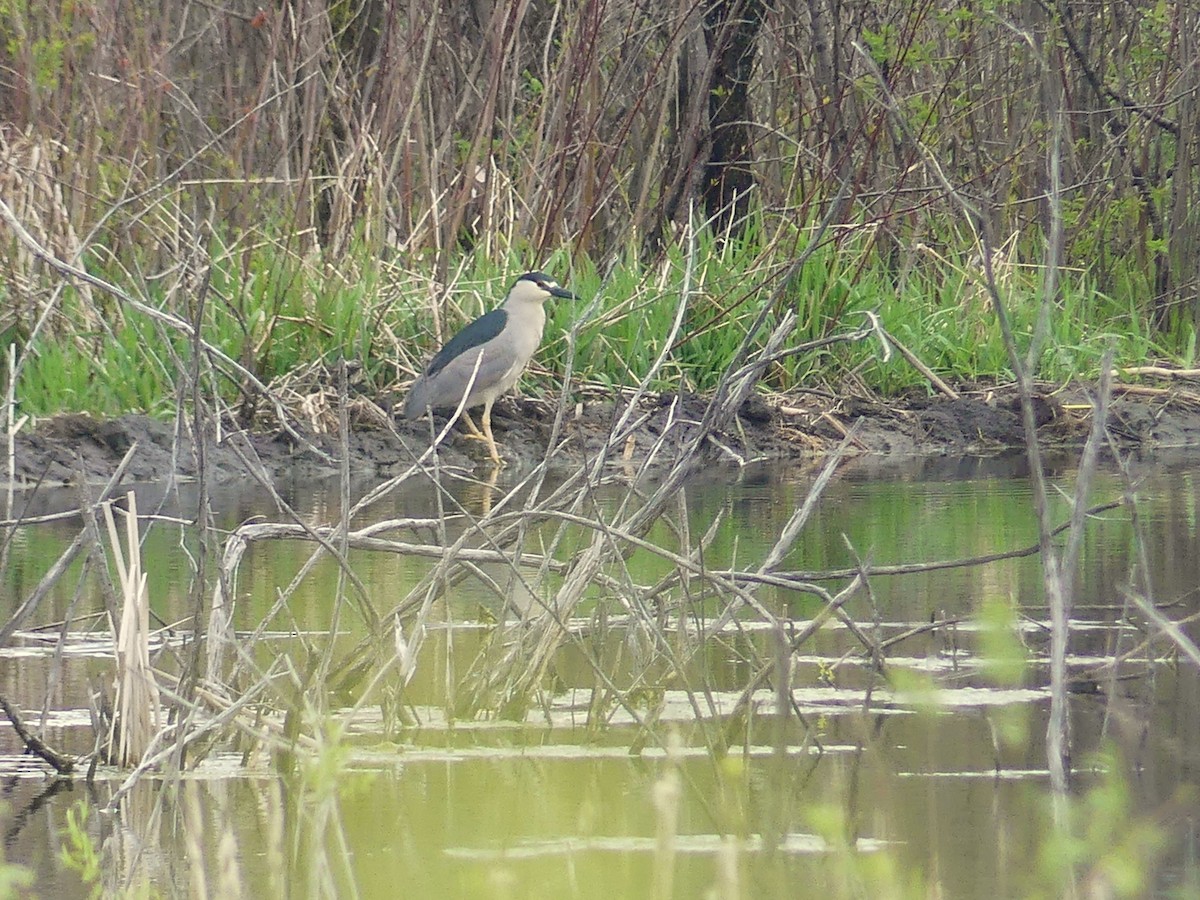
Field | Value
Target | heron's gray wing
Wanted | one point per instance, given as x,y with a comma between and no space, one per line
482,330
446,388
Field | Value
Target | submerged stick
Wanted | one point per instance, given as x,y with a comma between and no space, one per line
61,762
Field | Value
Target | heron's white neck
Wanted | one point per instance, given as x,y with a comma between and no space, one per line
526,321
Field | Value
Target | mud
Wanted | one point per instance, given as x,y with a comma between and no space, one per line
981,422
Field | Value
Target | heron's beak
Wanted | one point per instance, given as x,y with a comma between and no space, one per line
561,292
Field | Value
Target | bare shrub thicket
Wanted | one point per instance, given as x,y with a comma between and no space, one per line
425,127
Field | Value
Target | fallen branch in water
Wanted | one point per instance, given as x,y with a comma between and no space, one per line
62,763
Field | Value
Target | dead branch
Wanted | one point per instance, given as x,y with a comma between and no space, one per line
61,762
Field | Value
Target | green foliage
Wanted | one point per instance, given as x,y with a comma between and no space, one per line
1005,660
850,873
105,374
1096,841
51,40
78,852
1099,840
277,312
14,879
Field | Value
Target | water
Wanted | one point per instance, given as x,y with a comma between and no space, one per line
933,773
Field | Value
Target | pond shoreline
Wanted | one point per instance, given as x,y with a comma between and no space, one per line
980,421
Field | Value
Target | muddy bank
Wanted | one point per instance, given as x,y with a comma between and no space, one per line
980,422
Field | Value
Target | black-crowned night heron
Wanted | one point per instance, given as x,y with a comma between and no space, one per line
487,357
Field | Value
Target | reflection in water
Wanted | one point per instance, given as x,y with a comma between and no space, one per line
946,782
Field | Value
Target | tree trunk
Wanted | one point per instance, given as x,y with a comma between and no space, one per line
732,28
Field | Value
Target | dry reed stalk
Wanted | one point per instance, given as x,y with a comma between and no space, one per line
795,524
343,532
138,714
267,732
33,170
11,426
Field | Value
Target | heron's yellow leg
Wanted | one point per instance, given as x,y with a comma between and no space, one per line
487,432
473,432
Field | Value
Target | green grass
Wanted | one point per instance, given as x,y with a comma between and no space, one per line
275,313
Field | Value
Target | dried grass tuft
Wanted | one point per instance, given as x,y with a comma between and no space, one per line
309,395
33,170
138,708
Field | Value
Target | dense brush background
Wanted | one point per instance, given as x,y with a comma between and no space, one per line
312,179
